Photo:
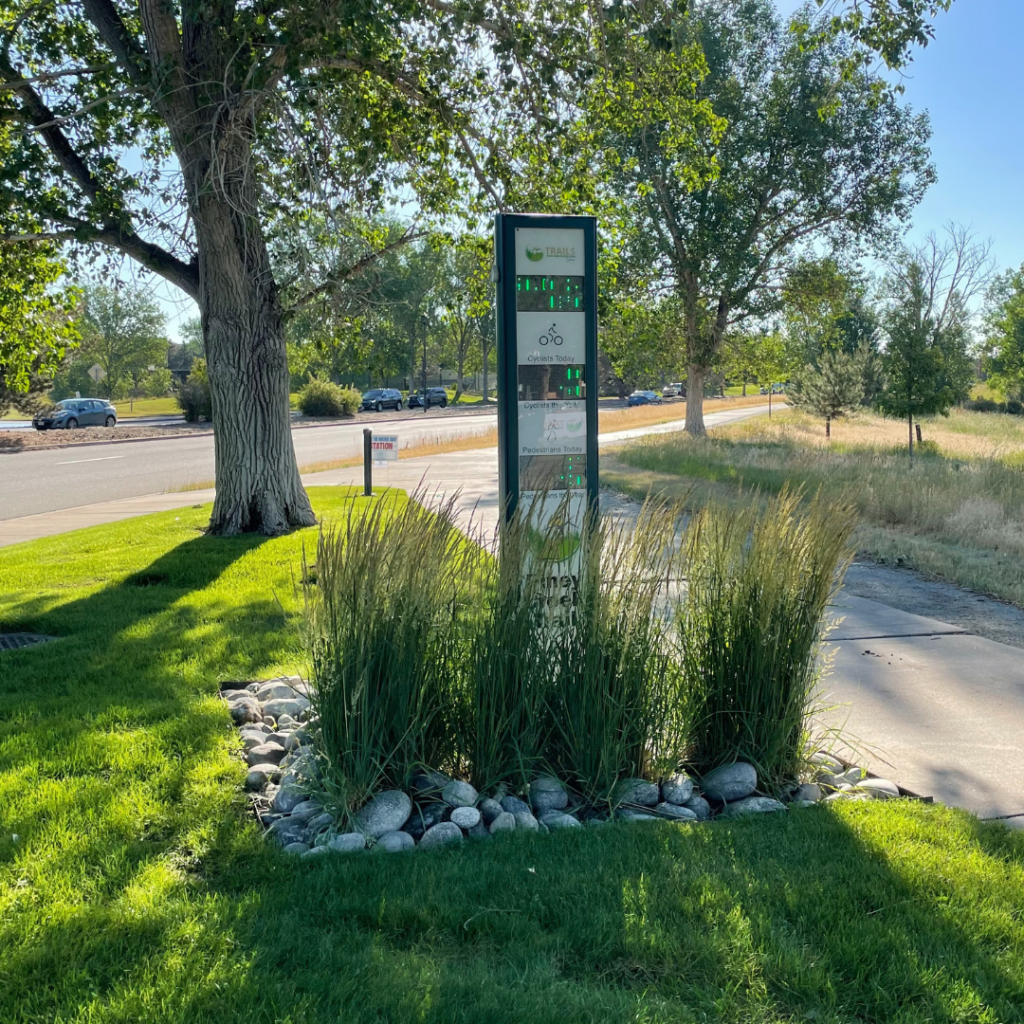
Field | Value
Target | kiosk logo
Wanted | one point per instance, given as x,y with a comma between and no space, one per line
534,255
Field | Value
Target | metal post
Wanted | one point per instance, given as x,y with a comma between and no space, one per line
367,462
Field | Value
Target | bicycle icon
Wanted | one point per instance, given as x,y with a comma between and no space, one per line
550,337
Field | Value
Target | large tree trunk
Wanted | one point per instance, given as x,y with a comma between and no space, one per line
487,353
695,401
257,477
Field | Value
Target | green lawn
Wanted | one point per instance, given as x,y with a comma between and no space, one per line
167,406
138,890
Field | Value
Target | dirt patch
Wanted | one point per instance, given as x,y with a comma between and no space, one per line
913,592
24,440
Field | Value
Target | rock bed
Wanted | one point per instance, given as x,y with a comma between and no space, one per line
273,719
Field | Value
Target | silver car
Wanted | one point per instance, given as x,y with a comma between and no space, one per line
76,412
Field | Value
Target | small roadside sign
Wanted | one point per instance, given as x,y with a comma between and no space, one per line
384,447
97,372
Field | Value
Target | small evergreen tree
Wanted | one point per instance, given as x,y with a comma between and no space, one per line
832,389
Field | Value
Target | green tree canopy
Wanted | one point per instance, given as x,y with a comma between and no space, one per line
1004,330
831,389
720,213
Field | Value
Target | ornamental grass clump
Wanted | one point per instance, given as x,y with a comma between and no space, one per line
383,620
749,627
614,700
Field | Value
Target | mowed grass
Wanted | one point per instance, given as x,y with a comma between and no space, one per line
957,512
138,889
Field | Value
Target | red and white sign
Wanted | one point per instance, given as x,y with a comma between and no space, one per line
384,447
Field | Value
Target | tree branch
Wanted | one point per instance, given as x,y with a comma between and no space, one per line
124,46
51,76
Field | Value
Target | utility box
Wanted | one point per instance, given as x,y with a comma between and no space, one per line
546,277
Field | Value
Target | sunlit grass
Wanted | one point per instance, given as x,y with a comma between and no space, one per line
138,890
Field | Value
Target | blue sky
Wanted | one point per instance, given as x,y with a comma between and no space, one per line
970,78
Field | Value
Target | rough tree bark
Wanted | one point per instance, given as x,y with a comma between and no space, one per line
695,401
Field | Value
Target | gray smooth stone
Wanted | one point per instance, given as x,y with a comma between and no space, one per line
255,780
478,832
752,805
286,722
675,812
628,814
323,820
806,791
245,711
547,794
699,806
253,739
316,851
677,789
286,831
428,783
465,817
294,707
459,794
349,842
306,810
879,789
636,791
730,782
297,848
490,809
395,842
275,689
386,812
556,819
513,804
265,752
826,762
504,822
524,819
442,834
425,816
287,798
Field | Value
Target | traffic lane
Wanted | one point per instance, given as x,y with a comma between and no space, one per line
54,478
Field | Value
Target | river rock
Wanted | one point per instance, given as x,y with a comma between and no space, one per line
441,835
253,739
294,707
806,791
269,753
826,762
395,842
425,816
465,817
386,812
878,789
635,791
459,794
504,822
256,779
286,831
677,789
730,782
524,819
297,848
428,783
279,739
478,831
348,842
675,812
556,819
629,814
490,809
752,805
245,711
547,794
287,798
321,821
699,806
513,805
306,810
274,689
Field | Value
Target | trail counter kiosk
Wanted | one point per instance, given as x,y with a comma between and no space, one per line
546,276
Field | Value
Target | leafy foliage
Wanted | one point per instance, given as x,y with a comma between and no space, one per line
1005,333
324,398
194,396
832,389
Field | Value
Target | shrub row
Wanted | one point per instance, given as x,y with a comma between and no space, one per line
426,650
325,398
1012,407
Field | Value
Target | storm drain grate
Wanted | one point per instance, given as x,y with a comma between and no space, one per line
15,641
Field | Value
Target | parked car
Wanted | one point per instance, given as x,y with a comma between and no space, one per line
674,390
76,412
644,398
434,396
380,399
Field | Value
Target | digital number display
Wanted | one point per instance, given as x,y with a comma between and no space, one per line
540,293
541,382
552,472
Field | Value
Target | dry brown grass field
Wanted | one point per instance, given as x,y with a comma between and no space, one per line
956,511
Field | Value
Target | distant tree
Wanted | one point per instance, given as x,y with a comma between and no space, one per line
641,338
37,323
189,348
1004,332
783,172
832,389
739,357
930,291
123,332
465,303
773,363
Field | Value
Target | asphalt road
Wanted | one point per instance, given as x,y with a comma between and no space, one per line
56,478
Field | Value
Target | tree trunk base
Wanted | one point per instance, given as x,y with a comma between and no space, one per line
261,510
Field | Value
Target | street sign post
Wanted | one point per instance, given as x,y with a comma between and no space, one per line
546,275
96,372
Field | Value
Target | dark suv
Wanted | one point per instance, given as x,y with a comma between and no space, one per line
380,399
435,396
76,412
